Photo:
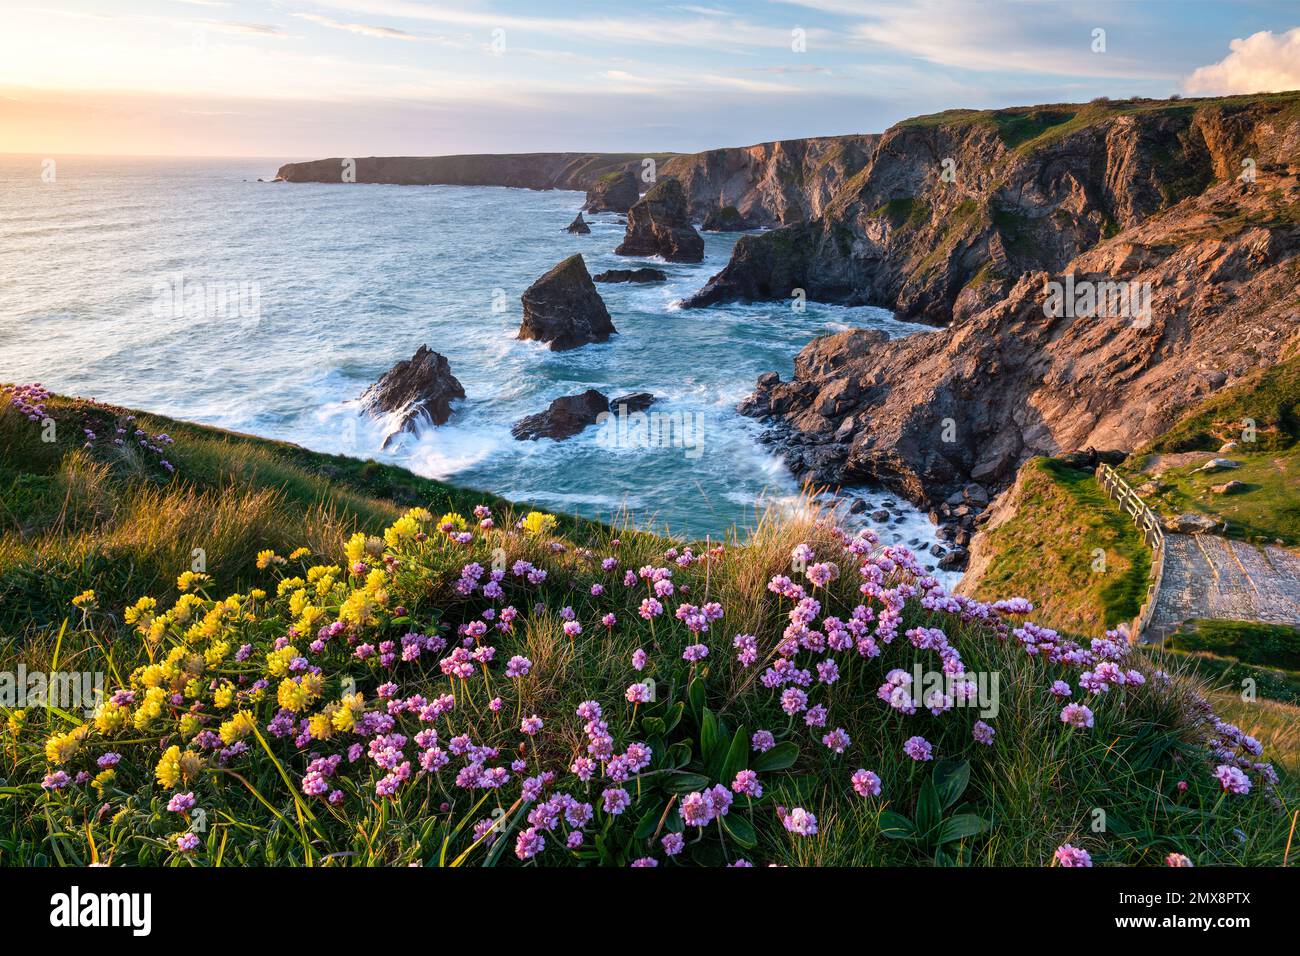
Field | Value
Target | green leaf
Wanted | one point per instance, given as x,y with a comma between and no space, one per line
962,825
653,726
710,739
645,828
685,782
895,826
928,811
950,780
780,757
678,756
673,717
740,830
695,693
736,757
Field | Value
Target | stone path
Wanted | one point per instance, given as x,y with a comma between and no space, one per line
1210,577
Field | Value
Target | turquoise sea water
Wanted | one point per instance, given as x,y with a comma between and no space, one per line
331,284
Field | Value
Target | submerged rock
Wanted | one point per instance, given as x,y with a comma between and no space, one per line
564,418
579,226
660,225
419,388
631,275
564,309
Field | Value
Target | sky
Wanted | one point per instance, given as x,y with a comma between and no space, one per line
294,79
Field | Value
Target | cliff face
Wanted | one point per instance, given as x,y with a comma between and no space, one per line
1013,378
950,199
770,184
578,171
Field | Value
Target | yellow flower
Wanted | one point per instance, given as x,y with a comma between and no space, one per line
85,600
176,767
536,523
111,718
299,553
355,548
224,695
451,522
297,693
401,530
15,722
267,558
102,780
61,748
237,727
277,662
345,718
192,579
141,613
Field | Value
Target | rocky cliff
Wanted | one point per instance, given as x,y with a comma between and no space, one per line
1147,205
953,208
578,171
770,184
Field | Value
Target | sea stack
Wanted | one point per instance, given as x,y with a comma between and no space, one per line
613,192
579,226
660,225
563,308
421,387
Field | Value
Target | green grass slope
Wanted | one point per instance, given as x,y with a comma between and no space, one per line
343,687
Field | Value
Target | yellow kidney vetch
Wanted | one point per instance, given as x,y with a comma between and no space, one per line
61,748
178,767
298,693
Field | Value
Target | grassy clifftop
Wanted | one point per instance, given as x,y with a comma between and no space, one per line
359,678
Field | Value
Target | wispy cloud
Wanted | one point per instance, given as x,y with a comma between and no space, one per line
360,29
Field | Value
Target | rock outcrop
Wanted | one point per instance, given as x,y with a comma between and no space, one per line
952,209
564,418
579,226
1214,277
726,219
660,225
418,389
631,275
770,184
615,191
563,308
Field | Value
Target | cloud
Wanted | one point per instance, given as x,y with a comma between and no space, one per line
248,29
361,29
1261,63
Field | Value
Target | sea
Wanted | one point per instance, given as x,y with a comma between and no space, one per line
189,288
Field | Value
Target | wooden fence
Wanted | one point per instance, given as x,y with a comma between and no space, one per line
1148,522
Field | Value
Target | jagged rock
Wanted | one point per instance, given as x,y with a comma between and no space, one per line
631,275
1219,464
579,226
1191,524
880,516
636,402
415,389
938,550
954,560
726,219
564,309
1229,487
613,192
564,418
660,225
858,506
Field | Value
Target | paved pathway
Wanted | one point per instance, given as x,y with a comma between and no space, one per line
1210,577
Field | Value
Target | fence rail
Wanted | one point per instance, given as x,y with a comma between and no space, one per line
1148,522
